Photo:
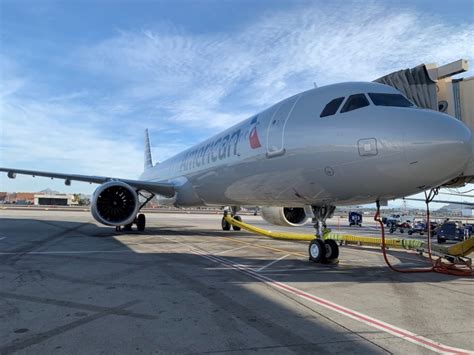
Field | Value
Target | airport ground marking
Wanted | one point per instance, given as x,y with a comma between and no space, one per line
68,252
263,246
288,269
1,238
229,250
372,322
271,263
374,251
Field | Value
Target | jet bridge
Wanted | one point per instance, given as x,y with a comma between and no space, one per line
433,87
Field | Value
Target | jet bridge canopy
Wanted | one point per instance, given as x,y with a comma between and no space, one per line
432,87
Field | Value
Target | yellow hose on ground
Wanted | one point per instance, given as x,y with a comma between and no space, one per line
460,249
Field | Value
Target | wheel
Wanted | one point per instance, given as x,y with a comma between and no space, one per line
225,225
237,218
410,232
441,240
332,249
402,230
392,230
127,227
317,251
141,222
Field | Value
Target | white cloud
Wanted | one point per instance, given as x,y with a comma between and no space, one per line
192,75
52,133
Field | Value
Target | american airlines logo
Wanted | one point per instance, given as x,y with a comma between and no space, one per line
218,149
253,136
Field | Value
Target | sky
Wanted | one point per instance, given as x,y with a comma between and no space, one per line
81,80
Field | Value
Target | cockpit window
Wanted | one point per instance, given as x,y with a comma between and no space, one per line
332,107
354,102
396,100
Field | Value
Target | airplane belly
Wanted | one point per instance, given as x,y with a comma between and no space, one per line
281,181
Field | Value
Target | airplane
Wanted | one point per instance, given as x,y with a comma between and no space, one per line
342,144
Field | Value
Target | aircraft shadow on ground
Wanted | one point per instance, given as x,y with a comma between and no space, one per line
235,309
105,240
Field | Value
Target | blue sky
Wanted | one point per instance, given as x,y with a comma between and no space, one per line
80,80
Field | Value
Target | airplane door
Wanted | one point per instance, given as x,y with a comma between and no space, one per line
276,127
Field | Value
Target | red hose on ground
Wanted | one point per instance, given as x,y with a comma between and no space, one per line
436,265
384,251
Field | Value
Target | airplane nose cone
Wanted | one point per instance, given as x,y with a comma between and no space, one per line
437,146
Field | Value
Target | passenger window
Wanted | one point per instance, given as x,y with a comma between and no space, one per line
332,107
395,100
354,102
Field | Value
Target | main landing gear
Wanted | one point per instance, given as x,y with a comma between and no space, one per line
140,219
319,250
226,226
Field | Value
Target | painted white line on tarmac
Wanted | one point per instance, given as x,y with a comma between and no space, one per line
1,238
362,318
273,262
69,252
285,270
229,250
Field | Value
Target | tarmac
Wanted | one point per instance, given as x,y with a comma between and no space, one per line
71,286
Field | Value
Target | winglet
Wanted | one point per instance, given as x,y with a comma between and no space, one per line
148,160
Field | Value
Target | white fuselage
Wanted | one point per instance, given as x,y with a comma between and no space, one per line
288,155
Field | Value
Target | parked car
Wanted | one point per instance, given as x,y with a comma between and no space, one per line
449,231
394,219
418,227
355,219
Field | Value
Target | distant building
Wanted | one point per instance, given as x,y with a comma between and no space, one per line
19,198
54,200
38,198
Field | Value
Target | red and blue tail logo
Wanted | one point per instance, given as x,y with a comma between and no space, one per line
253,137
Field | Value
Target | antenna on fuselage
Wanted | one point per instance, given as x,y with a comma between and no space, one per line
148,163
315,85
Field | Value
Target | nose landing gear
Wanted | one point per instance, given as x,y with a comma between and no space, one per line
226,226
319,250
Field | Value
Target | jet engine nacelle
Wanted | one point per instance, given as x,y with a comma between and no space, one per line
285,216
114,203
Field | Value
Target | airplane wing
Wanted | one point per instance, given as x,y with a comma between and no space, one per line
159,188
441,201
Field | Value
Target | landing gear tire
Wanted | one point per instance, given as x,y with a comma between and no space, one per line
332,250
317,251
237,218
127,227
225,225
141,222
